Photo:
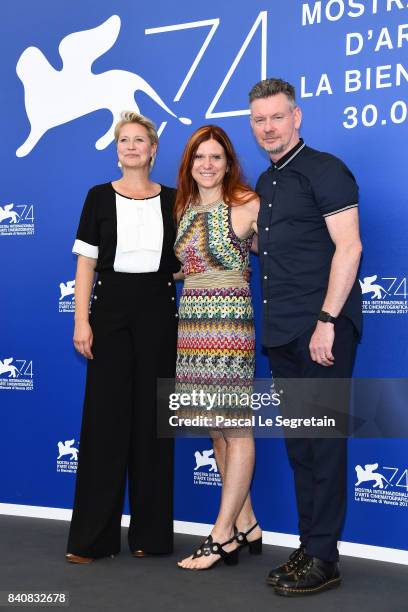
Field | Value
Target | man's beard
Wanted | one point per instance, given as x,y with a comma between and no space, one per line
275,150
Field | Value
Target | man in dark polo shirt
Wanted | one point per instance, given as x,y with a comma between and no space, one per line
309,250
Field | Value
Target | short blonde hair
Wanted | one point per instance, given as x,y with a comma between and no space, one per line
132,117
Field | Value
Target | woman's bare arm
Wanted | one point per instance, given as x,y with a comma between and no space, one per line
84,279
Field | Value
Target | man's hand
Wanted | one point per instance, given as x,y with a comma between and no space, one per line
247,273
321,344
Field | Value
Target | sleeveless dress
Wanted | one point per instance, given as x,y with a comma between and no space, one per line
216,339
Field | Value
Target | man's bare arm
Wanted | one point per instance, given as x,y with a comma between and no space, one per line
344,231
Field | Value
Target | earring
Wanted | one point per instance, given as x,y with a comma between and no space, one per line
119,164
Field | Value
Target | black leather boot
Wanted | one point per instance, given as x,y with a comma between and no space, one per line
312,575
287,568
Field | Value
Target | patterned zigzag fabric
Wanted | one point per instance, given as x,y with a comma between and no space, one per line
216,340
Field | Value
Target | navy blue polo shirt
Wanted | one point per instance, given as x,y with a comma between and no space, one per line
297,193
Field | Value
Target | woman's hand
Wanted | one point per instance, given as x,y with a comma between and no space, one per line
83,338
178,275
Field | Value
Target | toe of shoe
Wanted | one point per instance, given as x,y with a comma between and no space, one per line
71,558
139,553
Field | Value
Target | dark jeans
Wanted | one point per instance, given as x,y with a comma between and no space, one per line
319,464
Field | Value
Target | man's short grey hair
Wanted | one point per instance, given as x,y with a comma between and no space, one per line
273,87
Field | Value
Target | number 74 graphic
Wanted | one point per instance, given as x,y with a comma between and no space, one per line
402,480
260,22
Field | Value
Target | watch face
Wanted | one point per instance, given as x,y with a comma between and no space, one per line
324,316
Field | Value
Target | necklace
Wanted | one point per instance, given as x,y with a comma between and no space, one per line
131,195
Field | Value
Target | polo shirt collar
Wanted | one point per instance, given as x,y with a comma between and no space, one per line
287,158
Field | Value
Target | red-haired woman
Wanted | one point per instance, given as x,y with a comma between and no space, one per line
216,213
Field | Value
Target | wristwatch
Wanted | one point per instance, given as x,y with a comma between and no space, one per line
326,317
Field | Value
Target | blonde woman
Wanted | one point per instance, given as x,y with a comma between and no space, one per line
125,237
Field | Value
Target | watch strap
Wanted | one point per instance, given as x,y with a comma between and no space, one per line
326,317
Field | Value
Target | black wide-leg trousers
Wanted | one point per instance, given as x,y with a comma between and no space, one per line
319,464
134,322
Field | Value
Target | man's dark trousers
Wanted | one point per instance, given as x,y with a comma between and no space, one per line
319,464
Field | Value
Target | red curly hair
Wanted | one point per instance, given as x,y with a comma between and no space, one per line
234,189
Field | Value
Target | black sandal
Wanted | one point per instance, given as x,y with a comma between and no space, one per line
209,547
255,547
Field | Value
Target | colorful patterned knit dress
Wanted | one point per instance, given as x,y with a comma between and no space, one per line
216,340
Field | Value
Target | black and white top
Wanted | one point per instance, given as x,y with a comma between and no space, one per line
125,234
